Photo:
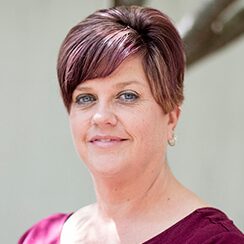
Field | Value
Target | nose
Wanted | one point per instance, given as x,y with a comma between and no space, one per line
104,116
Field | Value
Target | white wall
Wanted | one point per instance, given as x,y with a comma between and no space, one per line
41,174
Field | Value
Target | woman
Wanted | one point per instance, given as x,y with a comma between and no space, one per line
121,77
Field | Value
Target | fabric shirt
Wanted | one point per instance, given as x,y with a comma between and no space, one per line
204,225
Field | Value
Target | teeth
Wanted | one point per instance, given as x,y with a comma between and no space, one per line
105,140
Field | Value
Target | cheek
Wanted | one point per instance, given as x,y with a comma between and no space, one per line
156,132
148,128
78,128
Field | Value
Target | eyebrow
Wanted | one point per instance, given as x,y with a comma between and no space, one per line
127,83
119,85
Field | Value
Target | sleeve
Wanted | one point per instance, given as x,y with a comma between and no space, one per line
46,231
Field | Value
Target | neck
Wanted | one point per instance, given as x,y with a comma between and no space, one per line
134,197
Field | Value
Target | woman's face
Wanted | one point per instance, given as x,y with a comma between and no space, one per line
117,126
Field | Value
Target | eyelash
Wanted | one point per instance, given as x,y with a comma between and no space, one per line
79,98
133,96
122,97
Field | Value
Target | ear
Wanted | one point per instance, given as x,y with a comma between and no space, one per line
173,120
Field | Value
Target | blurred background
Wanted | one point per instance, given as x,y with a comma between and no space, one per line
40,172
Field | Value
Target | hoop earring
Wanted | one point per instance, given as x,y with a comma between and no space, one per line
172,141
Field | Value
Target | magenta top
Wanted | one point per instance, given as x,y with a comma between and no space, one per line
204,225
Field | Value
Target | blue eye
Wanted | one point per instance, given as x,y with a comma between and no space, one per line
85,99
128,96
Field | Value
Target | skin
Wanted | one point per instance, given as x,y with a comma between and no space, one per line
121,134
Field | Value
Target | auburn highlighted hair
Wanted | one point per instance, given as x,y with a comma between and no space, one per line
96,46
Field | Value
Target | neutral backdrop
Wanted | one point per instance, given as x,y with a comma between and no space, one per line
40,172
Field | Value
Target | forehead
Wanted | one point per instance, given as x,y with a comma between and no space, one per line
129,72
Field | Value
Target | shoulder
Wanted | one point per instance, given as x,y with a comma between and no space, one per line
213,226
81,216
79,224
226,238
204,225
45,231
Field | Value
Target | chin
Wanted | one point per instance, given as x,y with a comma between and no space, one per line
107,168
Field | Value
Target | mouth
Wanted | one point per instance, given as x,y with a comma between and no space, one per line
106,141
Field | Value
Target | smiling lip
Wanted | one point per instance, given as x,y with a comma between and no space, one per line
106,141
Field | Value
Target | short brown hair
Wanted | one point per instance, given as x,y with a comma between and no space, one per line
96,46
